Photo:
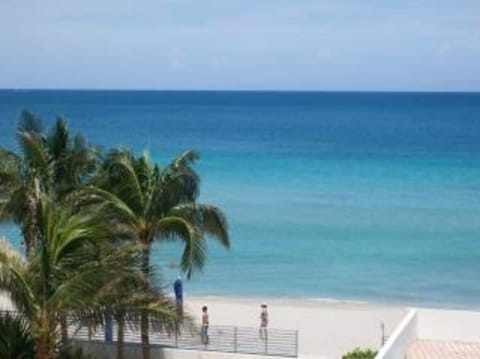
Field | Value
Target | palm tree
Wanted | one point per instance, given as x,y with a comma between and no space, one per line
73,160
67,270
23,176
160,204
54,164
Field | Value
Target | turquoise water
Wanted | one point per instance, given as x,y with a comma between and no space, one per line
360,196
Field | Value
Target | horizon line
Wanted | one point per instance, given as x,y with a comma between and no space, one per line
20,89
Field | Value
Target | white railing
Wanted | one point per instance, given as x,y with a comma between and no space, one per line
222,339
402,337
227,339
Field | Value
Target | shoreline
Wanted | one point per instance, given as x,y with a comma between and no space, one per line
297,301
338,301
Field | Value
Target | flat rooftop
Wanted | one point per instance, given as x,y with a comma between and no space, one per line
443,349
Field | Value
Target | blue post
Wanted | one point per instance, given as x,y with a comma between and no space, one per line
178,289
108,329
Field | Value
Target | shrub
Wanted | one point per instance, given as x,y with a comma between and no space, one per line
16,341
360,354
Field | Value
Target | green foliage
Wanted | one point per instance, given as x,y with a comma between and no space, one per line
151,203
160,204
53,164
360,354
67,269
16,341
78,268
88,224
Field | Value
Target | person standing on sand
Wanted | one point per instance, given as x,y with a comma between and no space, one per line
263,322
205,323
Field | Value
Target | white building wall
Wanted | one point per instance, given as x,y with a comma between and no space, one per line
134,351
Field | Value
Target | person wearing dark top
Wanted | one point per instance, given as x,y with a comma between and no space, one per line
205,324
108,328
178,289
263,322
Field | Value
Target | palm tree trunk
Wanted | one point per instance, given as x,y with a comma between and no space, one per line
90,330
120,336
64,330
27,239
41,350
145,335
144,322
30,226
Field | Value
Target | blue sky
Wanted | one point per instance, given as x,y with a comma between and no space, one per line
241,44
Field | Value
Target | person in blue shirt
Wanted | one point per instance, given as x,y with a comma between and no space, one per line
178,289
108,328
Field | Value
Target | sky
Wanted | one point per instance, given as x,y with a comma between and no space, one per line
371,45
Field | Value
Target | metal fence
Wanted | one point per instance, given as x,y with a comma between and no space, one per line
228,339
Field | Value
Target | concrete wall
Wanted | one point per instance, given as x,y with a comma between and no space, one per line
404,335
134,351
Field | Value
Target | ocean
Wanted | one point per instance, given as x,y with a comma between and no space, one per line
351,196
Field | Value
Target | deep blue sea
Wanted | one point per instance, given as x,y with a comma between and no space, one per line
353,196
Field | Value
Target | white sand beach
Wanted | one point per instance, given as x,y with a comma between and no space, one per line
327,329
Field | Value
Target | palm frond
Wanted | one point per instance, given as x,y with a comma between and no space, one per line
107,204
187,158
209,219
16,341
58,139
74,161
123,179
14,280
29,122
96,282
10,169
194,252
13,207
36,155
